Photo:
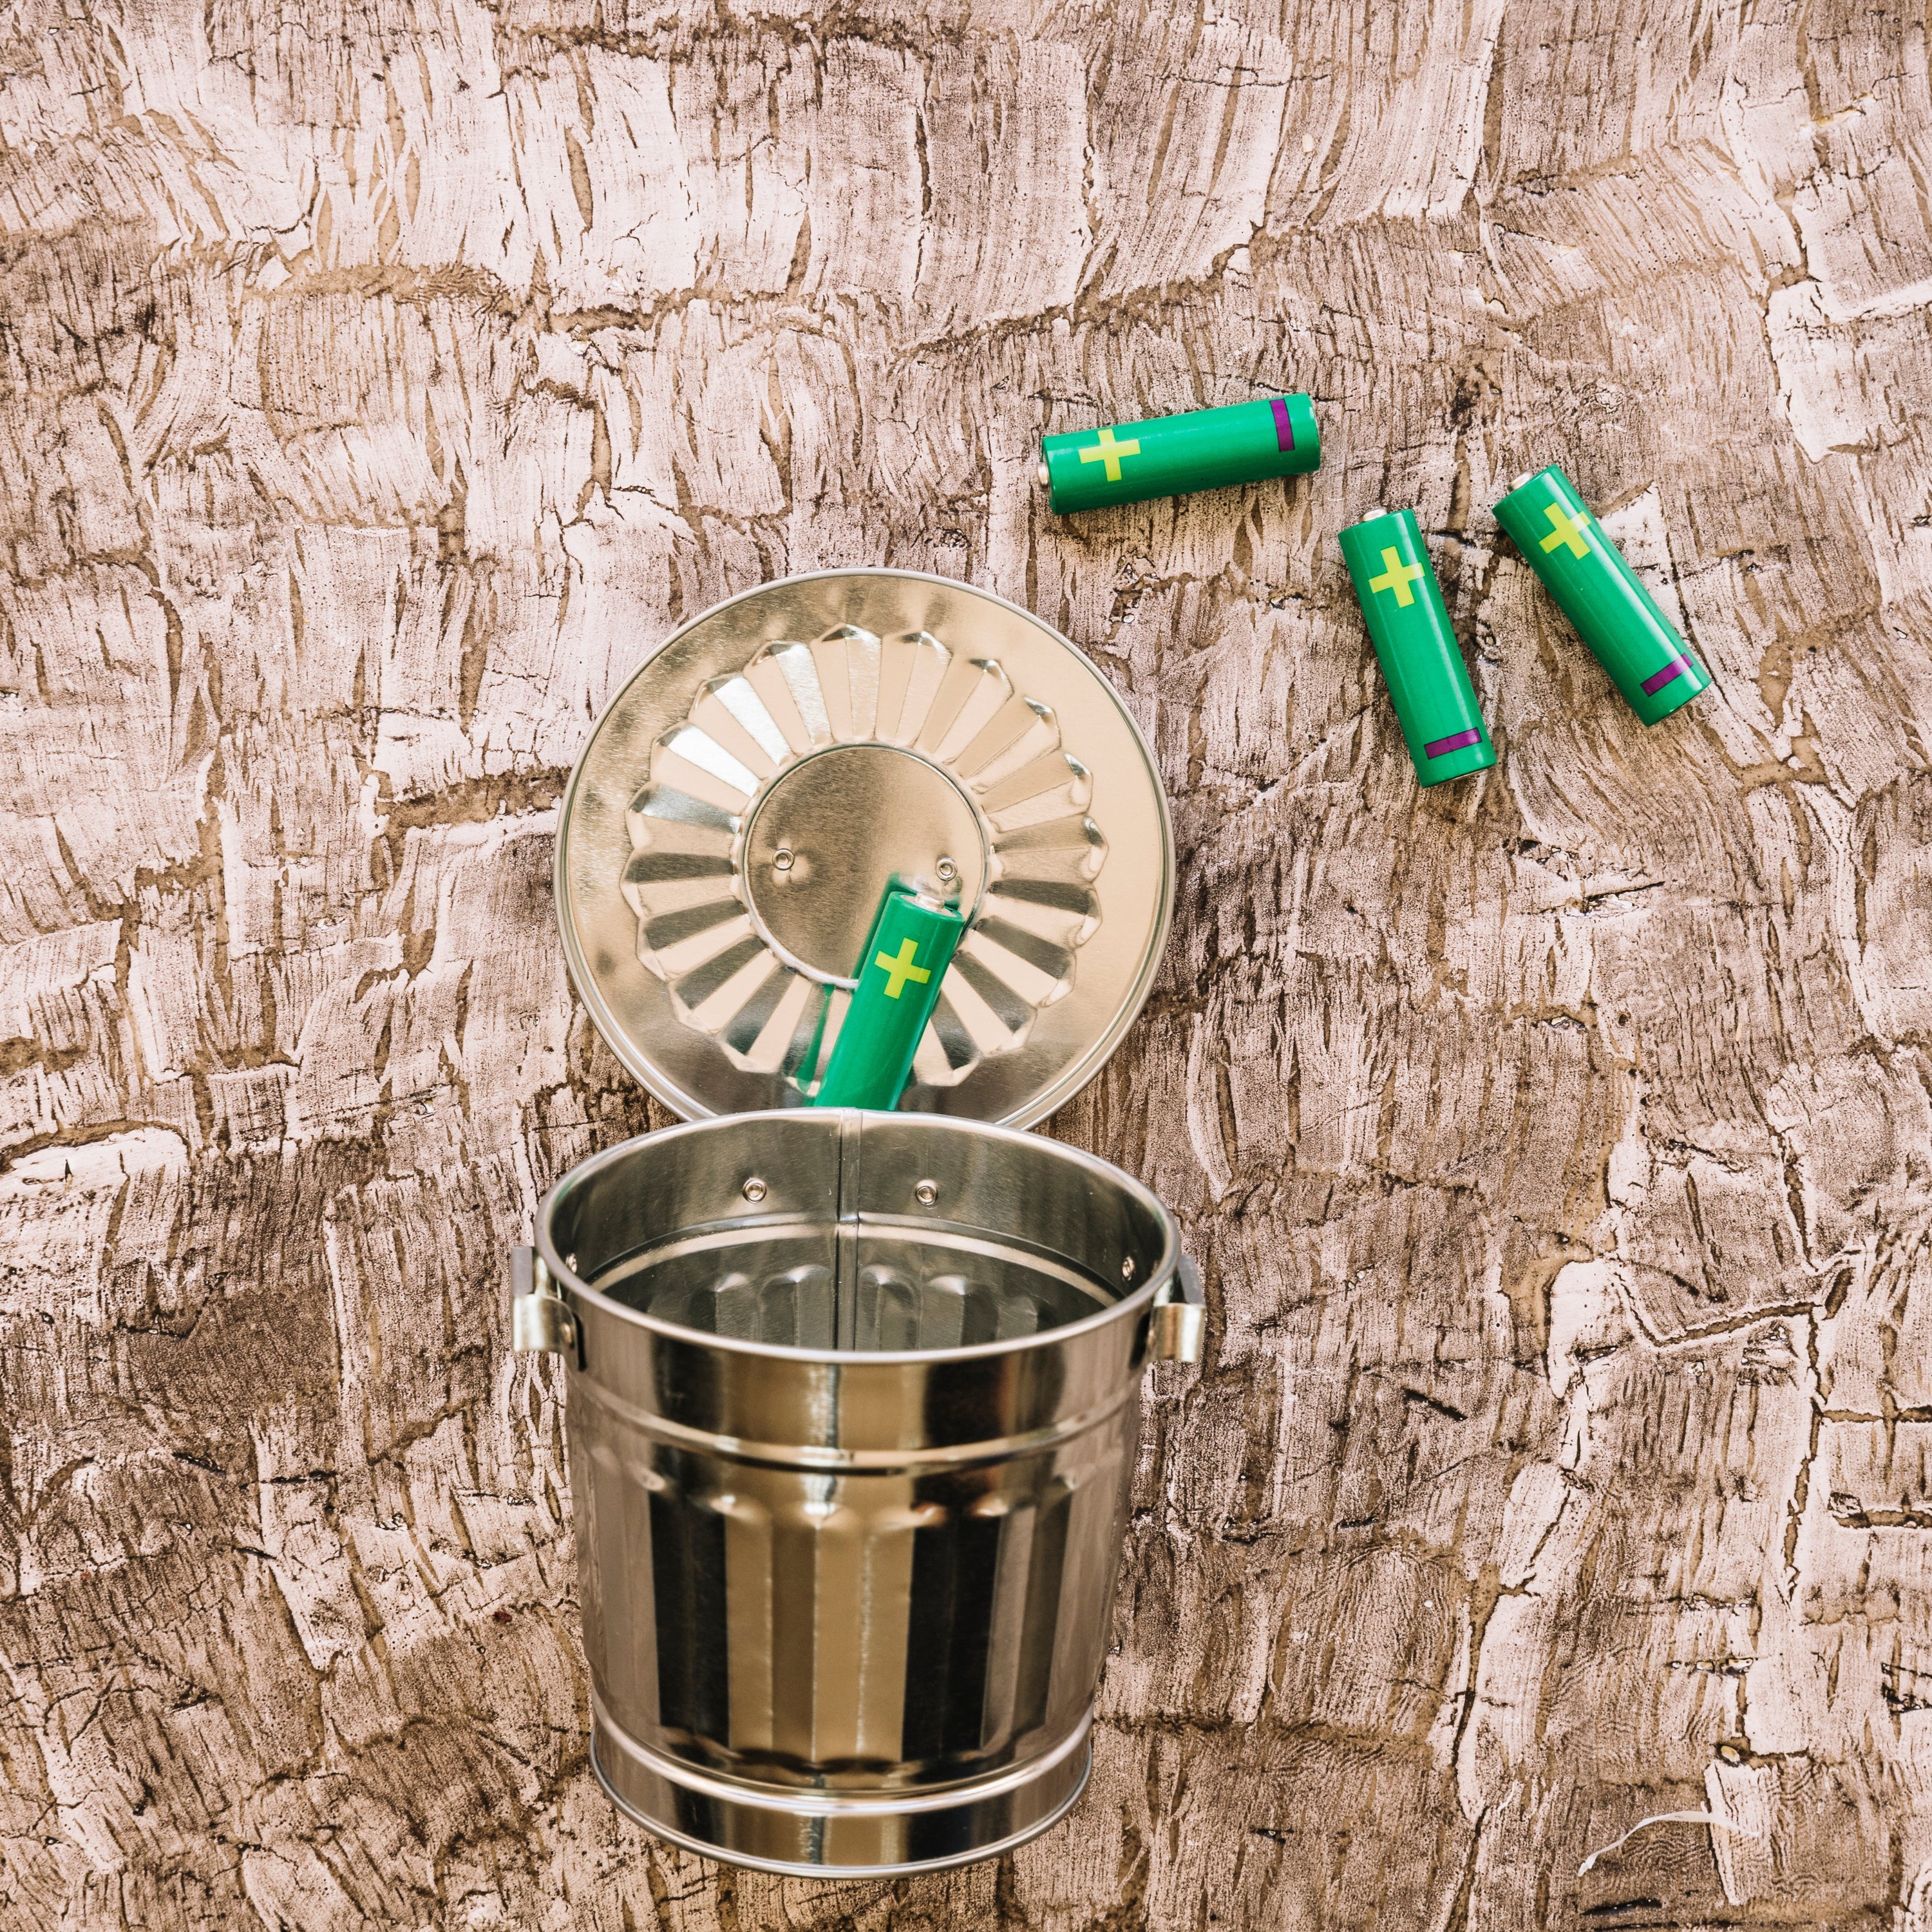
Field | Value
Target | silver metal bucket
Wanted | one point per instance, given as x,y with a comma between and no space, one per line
853,1401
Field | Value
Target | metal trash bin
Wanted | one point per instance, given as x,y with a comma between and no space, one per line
853,1397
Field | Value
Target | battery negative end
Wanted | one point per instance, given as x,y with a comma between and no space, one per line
1042,472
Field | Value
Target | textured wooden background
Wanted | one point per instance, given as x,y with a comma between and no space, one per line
381,380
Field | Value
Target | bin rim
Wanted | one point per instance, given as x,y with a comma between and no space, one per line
576,1289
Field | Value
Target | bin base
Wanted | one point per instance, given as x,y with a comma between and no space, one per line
816,1834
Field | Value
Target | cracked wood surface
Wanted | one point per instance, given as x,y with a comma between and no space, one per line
381,380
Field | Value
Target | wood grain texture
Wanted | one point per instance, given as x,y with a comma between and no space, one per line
380,378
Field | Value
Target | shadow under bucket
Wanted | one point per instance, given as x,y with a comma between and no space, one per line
853,1400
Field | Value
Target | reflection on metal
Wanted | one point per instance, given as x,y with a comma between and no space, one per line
798,790
748,797
849,1469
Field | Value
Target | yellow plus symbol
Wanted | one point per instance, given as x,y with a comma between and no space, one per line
1569,530
1396,576
1108,451
899,970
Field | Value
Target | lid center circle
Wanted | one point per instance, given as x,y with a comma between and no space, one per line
835,830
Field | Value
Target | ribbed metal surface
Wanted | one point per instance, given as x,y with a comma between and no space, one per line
776,764
846,1601
906,1295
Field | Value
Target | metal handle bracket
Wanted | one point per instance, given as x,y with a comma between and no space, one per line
540,1318
1180,1315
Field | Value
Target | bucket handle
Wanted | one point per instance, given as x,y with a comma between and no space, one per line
1180,1315
540,1318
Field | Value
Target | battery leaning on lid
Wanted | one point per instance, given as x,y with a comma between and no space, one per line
899,974
1599,592
1414,641
1125,462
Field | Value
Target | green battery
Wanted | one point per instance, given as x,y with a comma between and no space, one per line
1410,629
1618,618
899,974
1126,463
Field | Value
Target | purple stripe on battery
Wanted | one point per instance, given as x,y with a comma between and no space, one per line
1284,430
1442,747
1671,672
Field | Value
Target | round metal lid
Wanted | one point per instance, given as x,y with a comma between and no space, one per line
775,764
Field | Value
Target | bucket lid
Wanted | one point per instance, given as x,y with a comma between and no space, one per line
777,763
